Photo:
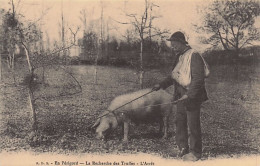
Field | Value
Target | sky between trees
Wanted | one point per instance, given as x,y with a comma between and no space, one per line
174,15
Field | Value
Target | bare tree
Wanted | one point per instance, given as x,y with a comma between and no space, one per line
83,19
231,24
108,28
86,20
62,29
100,41
1,42
41,60
10,35
19,33
107,40
25,34
144,27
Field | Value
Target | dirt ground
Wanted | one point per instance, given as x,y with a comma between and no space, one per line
230,118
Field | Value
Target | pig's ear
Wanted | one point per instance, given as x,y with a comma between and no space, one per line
96,123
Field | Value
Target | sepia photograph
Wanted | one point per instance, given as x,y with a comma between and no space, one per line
129,82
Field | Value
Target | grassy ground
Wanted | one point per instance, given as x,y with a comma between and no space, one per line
230,119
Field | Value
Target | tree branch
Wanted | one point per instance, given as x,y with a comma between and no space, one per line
74,34
120,21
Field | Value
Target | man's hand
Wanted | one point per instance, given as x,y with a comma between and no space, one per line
184,97
156,87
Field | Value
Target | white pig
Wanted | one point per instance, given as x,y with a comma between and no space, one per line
154,107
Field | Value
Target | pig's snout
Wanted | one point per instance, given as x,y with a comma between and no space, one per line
99,129
102,130
105,126
100,136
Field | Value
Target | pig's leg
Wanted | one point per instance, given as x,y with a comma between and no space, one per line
161,123
126,131
166,126
122,129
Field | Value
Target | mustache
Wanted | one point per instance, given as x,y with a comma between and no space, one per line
175,51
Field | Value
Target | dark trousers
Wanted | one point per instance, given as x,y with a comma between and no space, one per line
188,117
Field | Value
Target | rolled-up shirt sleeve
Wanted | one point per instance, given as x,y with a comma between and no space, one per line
197,76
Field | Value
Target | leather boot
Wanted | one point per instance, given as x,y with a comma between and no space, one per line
191,157
183,151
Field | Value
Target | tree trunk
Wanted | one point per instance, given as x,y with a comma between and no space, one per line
141,78
95,70
9,60
32,106
141,72
64,51
28,58
30,92
1,76
95,73
43,75
13,68
99,44
236,64
107,42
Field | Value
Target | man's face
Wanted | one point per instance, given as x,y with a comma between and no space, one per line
177,46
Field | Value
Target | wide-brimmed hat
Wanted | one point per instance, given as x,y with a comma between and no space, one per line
178,36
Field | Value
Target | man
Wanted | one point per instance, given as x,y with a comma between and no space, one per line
188,76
